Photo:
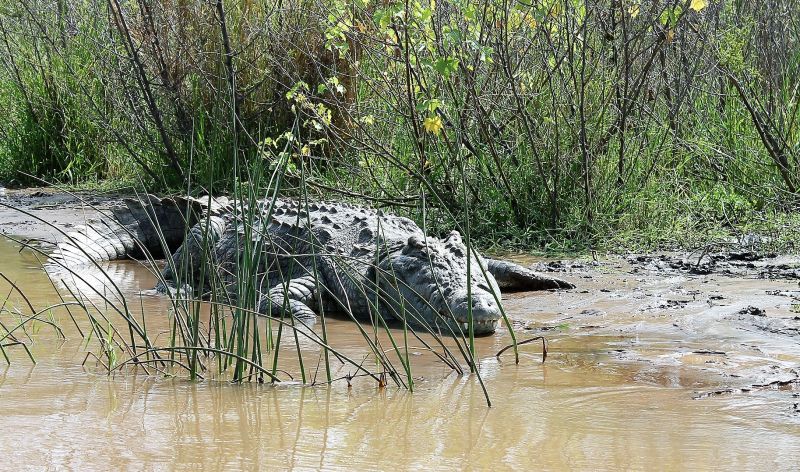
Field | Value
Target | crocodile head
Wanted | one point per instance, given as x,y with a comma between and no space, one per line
425,280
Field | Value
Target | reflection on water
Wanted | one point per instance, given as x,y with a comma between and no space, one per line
616,395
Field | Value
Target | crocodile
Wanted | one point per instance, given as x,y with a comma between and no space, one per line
307,259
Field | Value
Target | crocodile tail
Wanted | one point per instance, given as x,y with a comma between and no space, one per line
137,228
514,277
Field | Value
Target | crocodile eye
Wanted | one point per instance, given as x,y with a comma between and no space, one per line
416,242
454,236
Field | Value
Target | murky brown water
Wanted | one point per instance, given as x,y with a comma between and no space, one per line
616,392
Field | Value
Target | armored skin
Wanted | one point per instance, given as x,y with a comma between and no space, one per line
309,259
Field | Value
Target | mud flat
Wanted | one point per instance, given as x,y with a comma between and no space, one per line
733,318
656,361
45,206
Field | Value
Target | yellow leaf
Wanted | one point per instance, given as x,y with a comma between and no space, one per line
433,124
698,5
305,151
670,35
634,10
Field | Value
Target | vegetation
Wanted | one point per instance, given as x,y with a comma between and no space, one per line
556,124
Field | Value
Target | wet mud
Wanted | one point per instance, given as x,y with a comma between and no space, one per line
735,316
42,207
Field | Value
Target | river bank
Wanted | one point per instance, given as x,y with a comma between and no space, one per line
670,360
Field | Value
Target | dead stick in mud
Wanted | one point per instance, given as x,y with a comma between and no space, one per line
527,341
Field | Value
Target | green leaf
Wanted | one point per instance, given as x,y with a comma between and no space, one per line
470,12
446,66
429,105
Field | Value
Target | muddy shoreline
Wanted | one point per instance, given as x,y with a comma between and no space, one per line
48,206
733,315
731,318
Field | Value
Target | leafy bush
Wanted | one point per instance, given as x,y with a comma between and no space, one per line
557,123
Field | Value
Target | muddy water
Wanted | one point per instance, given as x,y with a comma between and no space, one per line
628,355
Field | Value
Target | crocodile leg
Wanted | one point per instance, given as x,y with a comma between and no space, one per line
294,298
514,277
197,247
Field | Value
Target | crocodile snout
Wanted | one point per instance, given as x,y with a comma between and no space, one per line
485,311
